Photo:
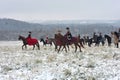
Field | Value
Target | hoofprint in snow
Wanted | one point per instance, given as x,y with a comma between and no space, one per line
94,63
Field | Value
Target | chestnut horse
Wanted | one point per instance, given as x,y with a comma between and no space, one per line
29,41
63,41
59,41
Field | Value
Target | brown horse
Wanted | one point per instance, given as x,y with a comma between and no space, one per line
59,41
29,41
63,41
76,41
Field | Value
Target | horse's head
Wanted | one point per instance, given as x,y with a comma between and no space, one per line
105,36
41,39
21,37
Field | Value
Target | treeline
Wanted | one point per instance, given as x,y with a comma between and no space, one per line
11,29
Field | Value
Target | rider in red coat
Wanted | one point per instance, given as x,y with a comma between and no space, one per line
30,40
29,35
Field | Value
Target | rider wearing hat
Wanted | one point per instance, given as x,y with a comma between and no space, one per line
29,35
68,34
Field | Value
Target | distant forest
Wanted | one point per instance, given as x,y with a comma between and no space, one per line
10,29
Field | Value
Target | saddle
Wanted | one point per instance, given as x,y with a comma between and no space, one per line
31,41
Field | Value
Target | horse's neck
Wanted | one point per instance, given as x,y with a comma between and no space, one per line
23,38
43,40
58,36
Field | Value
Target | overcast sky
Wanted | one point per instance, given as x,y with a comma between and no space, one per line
60,9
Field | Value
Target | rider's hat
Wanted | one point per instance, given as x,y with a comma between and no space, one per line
59,30
67,28
30,32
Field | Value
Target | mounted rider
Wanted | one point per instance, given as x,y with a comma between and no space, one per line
47,41
95,37
59,34
29,34
68,34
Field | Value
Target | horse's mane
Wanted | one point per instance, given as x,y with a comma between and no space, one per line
22,37
58,36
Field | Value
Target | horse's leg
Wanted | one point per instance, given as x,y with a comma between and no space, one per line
23,46
103,43
50,44
79,47
75,47
68,47
59,49
38,46
33,47
65,48
117,45
108,44
44,44
55,47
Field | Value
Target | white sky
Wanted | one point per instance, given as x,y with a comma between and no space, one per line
60,9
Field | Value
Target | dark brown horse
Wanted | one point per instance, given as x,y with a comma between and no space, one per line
29,41
76,41
59,41
63,41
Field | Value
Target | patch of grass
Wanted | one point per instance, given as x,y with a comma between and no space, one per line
90,78
90,64
6,69
51,58
38,61
67,72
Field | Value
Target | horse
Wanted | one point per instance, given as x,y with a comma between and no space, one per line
100,39
59,41
63,41
29,41
115,38
44,42
76,41
96,39
109,40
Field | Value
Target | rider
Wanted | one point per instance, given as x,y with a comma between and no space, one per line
59,33
47,39
94,37
68,34
29,35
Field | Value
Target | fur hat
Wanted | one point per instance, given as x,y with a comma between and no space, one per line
59,30
30,32
67,28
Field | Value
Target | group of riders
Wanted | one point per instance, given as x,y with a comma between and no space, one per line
68,35
95,39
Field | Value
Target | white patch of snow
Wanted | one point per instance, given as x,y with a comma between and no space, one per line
94,63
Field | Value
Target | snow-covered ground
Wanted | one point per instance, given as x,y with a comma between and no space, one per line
94,63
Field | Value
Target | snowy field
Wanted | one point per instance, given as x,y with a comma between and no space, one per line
93,63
